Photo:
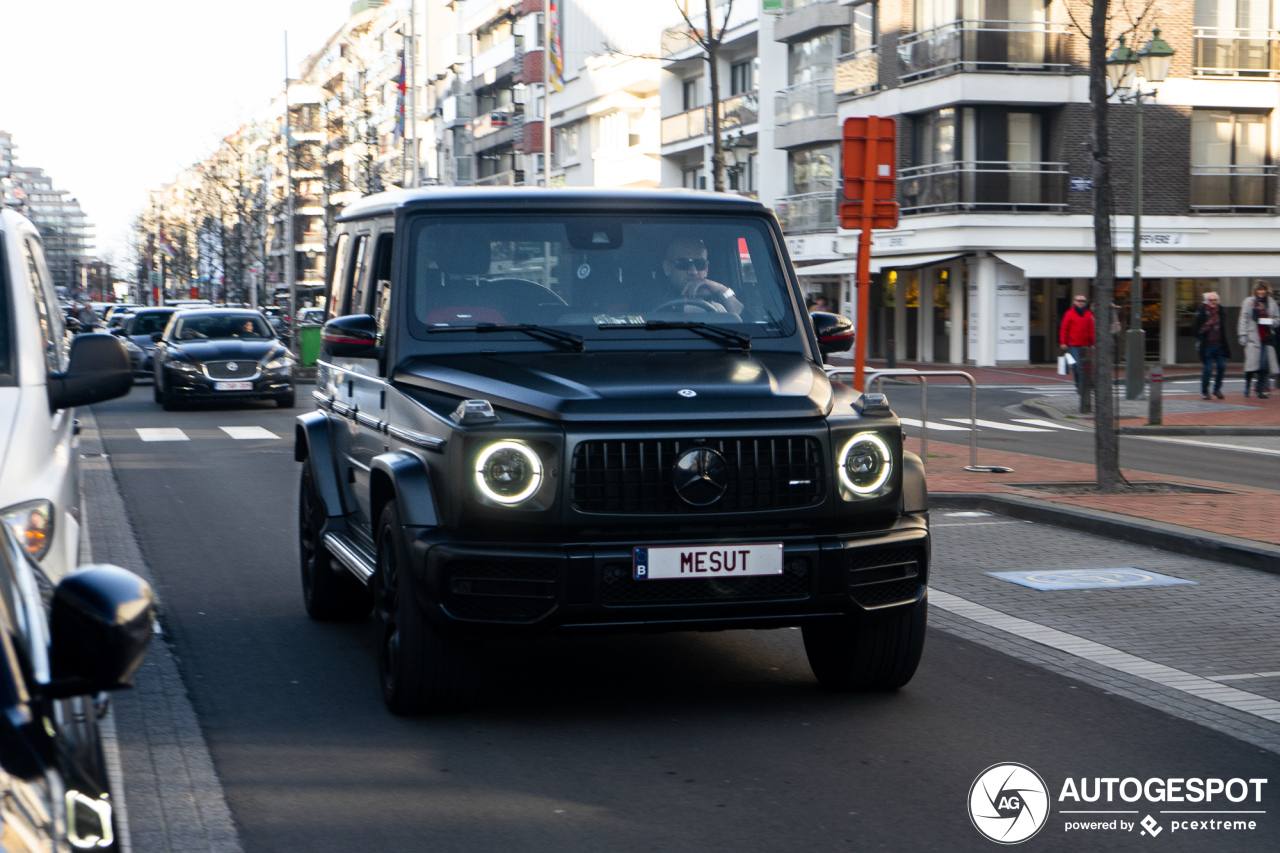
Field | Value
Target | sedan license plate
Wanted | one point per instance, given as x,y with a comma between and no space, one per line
706,561
233,386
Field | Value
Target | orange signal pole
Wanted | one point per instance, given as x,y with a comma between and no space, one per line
863,282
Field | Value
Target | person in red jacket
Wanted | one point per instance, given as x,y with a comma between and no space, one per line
1075,334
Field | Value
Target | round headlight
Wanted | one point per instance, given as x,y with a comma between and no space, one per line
865,463
508,472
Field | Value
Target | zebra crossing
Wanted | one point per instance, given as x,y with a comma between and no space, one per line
965,425
239,433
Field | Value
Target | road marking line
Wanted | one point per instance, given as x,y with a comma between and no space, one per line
1244,676
1197,443
997,425
945,427
243,432
1038,422
1185,682
161,434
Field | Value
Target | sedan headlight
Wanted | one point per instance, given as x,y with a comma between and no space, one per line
508,472
282,362
865,463
184,366
32,525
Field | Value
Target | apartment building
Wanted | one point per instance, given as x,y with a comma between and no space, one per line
995,180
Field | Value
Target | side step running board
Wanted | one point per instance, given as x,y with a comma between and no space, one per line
356,559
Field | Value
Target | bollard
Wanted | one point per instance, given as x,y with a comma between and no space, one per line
891,354
1085,366
1156,417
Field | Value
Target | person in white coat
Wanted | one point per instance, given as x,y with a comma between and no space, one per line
1256,329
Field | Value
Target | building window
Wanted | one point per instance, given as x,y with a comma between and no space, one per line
1231,168
691,94
813,59
689,178
565,150
744,76
862,34
813,170
1233,38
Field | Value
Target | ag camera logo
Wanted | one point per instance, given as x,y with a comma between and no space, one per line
1008,803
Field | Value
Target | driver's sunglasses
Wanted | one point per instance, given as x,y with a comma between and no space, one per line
686,264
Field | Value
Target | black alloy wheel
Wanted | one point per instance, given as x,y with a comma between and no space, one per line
868,653
420,668
329,591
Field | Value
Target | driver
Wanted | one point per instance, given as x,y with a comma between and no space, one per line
685,265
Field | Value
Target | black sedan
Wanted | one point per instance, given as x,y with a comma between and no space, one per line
139,329
221,354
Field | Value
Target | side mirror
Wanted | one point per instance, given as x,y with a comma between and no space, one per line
98,369
156,337
100,622
835,332
353,336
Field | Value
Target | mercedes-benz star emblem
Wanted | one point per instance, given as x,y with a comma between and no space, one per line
700,476
231,365
687,392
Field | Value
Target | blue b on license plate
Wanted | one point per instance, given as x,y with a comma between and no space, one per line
707,561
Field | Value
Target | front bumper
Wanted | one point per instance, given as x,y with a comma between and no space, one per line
197,386
477,588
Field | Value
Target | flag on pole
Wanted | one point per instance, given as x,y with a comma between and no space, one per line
400,89
166,248
557,51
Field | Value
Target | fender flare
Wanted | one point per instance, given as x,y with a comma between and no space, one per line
311,446
915,492
404,476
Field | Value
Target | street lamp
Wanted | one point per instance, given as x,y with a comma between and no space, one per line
1152,63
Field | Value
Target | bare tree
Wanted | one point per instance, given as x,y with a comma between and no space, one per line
709,39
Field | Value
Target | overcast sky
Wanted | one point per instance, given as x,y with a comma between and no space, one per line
113,99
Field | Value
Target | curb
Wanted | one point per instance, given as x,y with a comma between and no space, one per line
1199,430
1053,414
1187,541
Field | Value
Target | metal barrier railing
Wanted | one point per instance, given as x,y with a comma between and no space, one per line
923,376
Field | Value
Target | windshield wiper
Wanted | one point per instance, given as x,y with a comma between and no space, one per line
546,333
741,340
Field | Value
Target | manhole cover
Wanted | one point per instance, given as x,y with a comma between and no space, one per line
1089,578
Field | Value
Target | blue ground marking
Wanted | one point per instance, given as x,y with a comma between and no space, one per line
1089,578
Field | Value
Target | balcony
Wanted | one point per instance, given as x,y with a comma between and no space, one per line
985,185
805,100
999,46
1233,189
1249,54
736,111
807,212
858,73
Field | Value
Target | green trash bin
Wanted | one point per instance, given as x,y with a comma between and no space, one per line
309,344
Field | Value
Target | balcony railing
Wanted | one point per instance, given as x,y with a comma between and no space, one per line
805,100
994,185
508,178
1233,189
736,111
858,72
792,5
1222,52
807,212
1002,46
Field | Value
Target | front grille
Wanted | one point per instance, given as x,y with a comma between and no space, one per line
886,575
635,475
878,594
223,369
500,592
621,589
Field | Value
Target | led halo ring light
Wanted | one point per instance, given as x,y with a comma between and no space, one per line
886,460
530,459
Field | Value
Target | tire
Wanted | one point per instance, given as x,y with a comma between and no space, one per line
287,401
329,591
867,655
420,668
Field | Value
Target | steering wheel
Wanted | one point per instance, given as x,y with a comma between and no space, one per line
701,304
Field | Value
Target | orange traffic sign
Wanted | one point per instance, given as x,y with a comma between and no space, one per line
869,155
884,214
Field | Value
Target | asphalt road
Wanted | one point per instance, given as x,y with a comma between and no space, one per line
1002,405
717,741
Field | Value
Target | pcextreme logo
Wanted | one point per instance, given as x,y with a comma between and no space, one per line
1009,803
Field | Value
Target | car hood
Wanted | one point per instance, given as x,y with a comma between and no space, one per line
228,349
143,341
630,386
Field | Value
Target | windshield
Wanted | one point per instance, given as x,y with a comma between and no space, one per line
216,326
150,323
597,275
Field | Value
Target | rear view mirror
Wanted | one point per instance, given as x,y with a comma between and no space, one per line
353,336
100,623
835,332
98,369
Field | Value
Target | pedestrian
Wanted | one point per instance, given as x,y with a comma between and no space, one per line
1076,334
818,303
1209,330
1256,330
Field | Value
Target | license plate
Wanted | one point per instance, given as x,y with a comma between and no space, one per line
233,386
707,561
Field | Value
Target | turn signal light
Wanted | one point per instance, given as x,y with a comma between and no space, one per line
32,525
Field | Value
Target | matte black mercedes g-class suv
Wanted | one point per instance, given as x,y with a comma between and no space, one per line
574,411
